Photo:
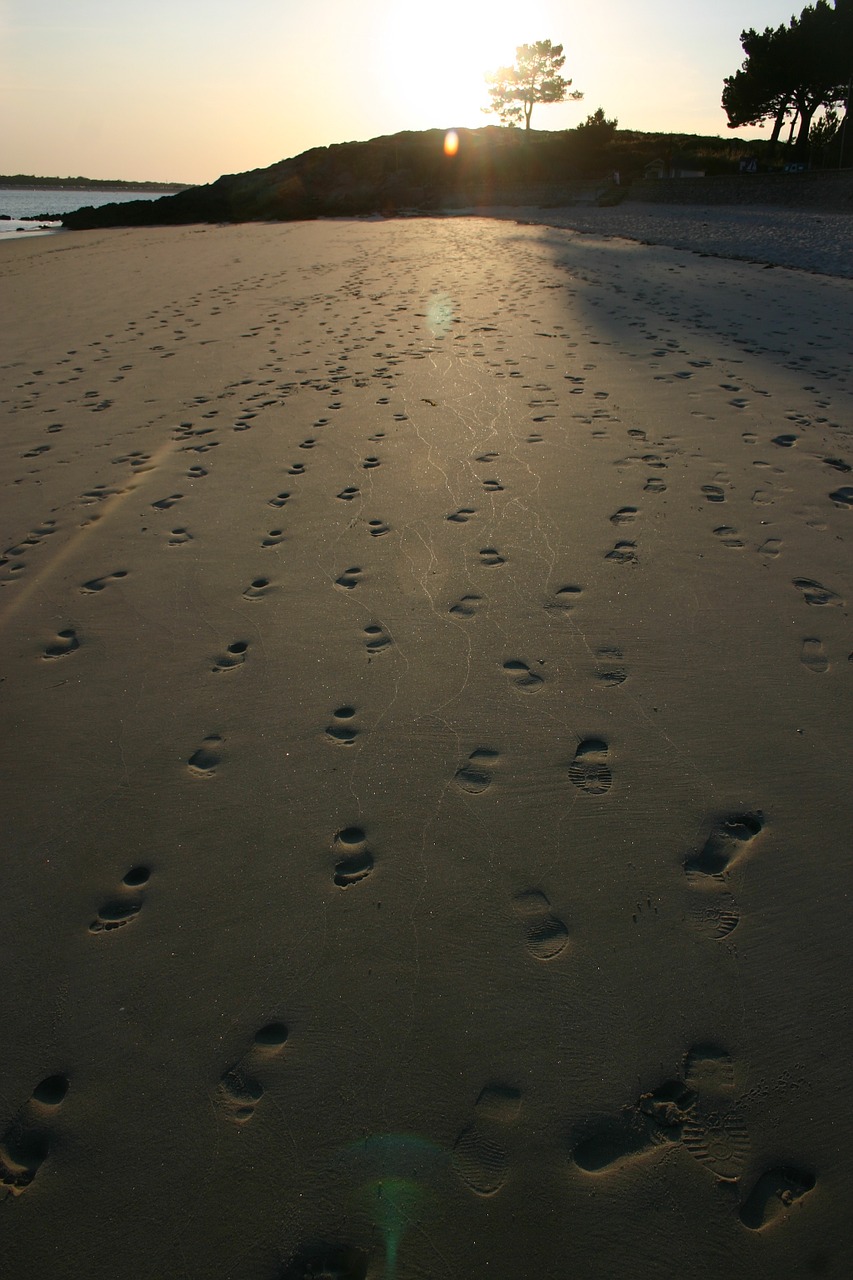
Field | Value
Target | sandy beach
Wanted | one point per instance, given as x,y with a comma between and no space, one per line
426,689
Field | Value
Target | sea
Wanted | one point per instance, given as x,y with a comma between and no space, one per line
20,203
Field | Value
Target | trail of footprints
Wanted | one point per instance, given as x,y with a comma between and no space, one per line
699,1112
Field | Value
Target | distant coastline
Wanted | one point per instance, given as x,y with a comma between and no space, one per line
26,181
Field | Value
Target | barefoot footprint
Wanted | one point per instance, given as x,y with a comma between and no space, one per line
25,1144
725,845
773,1195
239,1092
125,906
66,642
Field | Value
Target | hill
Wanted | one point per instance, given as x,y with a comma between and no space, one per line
407,170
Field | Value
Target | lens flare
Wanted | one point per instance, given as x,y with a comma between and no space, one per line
439,314
451,142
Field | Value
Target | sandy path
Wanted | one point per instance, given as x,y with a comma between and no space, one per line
426,692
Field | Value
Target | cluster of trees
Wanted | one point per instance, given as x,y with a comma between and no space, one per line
792,72
800,75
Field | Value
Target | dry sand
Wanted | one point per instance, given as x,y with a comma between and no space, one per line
426,698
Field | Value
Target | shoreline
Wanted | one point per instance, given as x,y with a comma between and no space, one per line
802,239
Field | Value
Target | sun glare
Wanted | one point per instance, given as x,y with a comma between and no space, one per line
436,56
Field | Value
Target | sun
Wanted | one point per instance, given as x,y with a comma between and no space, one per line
435,56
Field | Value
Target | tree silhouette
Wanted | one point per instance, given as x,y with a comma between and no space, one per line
793,71
535,77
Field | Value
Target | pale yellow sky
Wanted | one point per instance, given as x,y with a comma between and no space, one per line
188,89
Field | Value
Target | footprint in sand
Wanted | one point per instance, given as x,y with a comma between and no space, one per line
273,539
125,906
257,589
97,584
725,846
480,1158
623,553
713,493
728,536
347,494
813,655
203,763
376,638
349,579
566,598
342,731
713,910
546,934
490,558
239,1092
163,504
66,642
653,485
475,775
279,500
589,770
179,537
713,1130
609,667
354,861
773,1196
698,1111
462,515
625,515
378,528
25,1144
816,593
523,679
234,656
466,607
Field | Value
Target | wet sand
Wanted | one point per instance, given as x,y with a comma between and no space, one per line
426,690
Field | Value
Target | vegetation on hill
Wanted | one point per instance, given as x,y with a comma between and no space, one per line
791,73
410,170
28,182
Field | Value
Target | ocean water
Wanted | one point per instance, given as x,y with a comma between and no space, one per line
19,203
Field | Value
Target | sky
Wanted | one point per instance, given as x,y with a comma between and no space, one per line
186,90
